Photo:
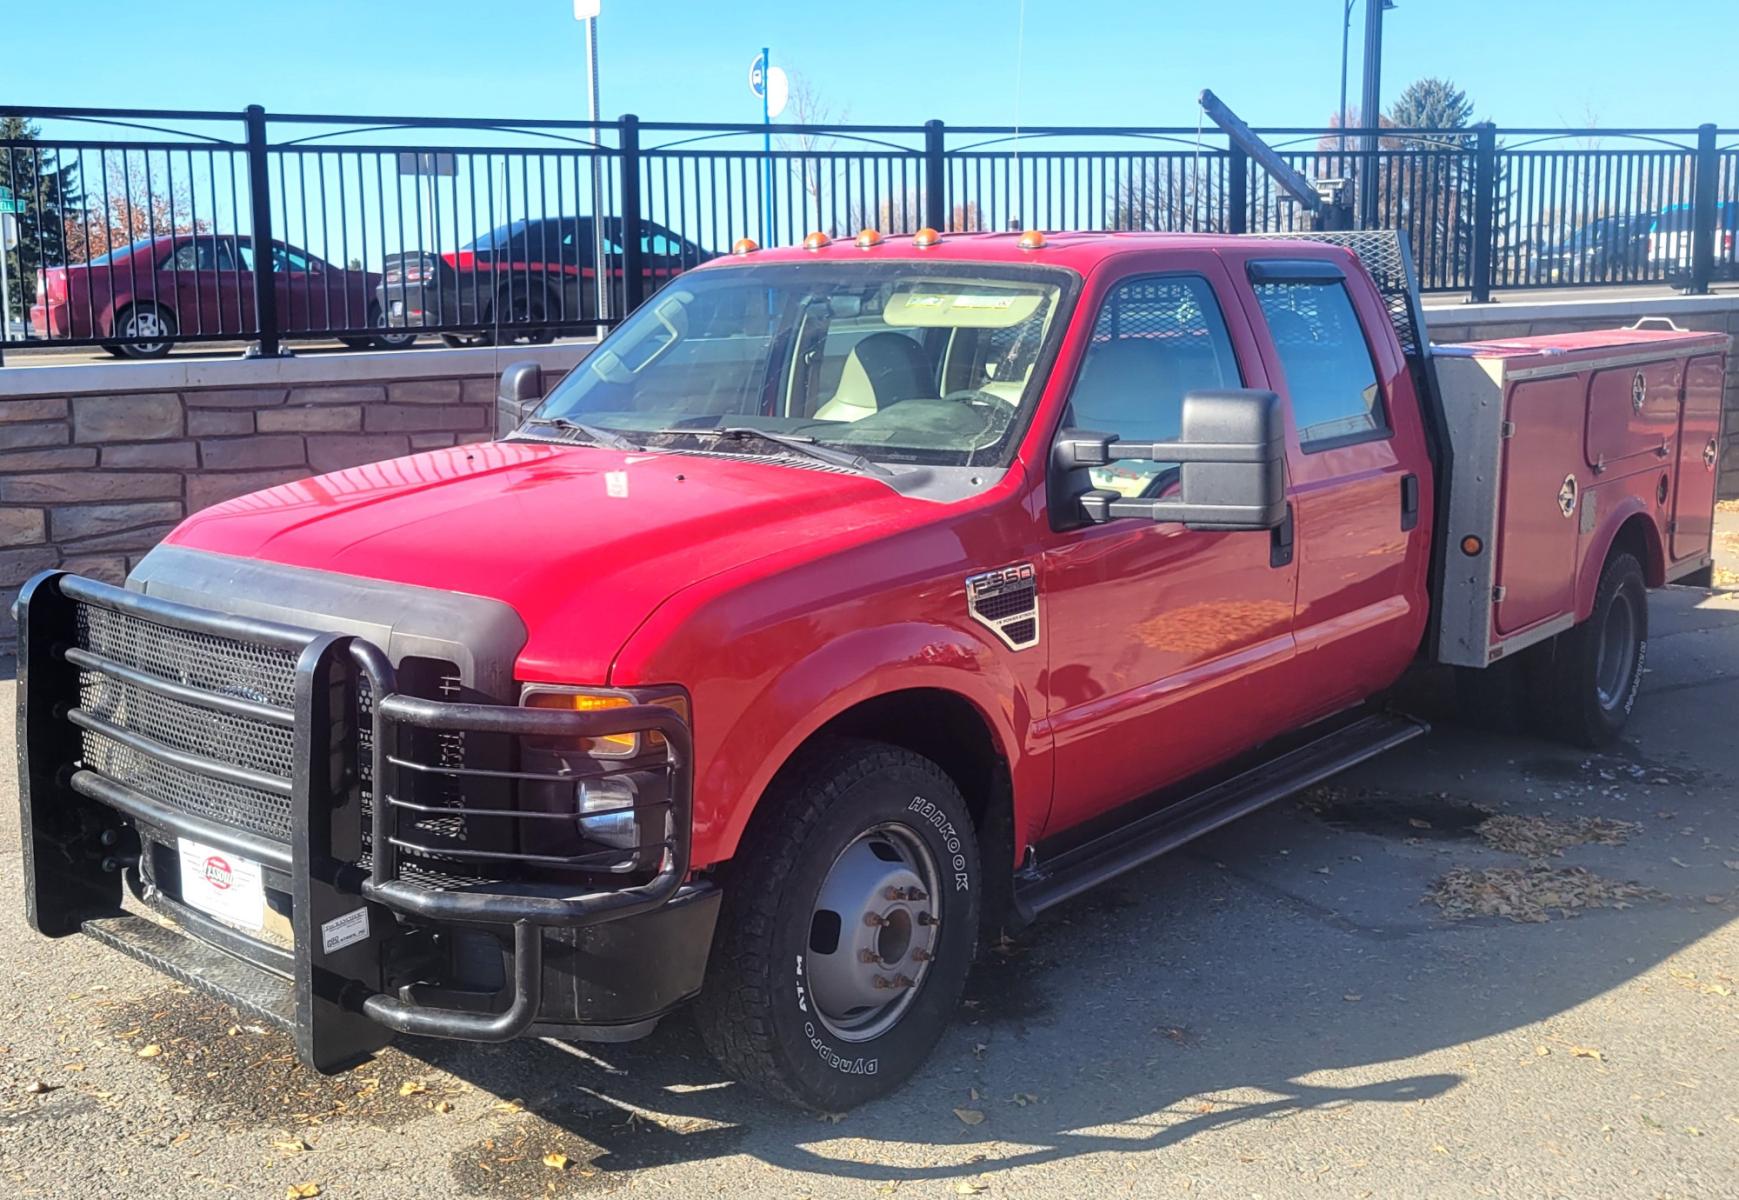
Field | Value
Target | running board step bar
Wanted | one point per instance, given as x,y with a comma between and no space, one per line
1052,881
254,991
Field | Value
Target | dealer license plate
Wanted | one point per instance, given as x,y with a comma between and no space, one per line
225,885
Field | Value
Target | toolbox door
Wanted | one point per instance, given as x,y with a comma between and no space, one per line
1698,457
1632,413
1543,480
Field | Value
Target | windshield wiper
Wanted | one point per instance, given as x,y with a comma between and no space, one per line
596,435
806,446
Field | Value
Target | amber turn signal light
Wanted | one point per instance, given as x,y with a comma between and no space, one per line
745,246
925,238
817,241
1032,239
868,239
1471,545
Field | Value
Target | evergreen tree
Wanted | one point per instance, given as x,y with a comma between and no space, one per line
46,193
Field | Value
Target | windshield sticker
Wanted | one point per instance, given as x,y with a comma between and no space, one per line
969,301
616,484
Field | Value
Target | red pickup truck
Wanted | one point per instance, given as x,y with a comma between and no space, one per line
847,602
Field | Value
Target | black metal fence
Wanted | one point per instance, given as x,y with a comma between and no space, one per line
384,230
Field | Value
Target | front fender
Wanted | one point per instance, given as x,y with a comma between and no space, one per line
846,671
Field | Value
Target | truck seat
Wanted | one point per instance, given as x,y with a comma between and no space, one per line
881,369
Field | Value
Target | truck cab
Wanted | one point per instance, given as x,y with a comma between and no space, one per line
847,601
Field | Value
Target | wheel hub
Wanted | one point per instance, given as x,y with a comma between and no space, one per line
873,933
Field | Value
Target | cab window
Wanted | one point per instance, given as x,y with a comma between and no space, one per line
1330,376
1155,339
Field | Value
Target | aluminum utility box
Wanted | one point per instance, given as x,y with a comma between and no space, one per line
1558,442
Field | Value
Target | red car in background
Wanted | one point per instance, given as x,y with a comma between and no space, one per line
181,287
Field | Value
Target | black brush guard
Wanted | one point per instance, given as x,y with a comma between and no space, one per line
79,827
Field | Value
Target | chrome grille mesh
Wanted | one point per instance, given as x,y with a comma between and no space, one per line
262,674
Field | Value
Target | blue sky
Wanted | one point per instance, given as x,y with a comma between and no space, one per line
1524,62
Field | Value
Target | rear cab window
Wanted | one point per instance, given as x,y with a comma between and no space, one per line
1325,361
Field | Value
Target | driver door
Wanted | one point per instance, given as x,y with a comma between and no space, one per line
1170,649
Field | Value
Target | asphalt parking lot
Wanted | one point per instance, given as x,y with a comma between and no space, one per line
1277,1011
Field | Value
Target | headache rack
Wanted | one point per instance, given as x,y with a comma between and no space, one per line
143,721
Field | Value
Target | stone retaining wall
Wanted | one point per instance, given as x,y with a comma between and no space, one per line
98,463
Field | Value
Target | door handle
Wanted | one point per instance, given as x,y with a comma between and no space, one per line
1409,502
1280,541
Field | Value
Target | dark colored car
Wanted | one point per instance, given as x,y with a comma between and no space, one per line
536,275
1603,250
178,287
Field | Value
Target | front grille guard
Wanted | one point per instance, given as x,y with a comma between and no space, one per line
75,852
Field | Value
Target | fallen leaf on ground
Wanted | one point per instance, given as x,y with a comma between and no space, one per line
1529,893
294,1146
1546,837
443,1106
301,1191
151,1051
970,1115
971,1187
1587,1052
555,1160
36,1087
413,1087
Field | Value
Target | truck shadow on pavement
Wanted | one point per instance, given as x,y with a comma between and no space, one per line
1280,970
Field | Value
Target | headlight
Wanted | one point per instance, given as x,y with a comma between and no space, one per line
578,699
611,800
614,804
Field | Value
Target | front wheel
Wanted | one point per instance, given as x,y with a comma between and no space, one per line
150,325
1588,678
850,919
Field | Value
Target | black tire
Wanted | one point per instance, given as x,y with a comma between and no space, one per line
131,318
1588,677
111,348
462,341
761,1013
522,308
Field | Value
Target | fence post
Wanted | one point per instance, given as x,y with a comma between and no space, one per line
633,278
935,178
1484,212
1237,191
260,220
1703,213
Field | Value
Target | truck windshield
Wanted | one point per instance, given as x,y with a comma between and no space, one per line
897,361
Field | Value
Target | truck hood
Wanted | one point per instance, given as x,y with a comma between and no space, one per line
582,542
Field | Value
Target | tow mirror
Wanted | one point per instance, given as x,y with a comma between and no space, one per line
521,390
1231,456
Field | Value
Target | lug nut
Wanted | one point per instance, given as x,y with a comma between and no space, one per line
925,918
882,983
921,955
867,956
900,981
874,920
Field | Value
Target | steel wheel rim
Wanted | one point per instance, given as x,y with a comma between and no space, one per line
1617,655
873,932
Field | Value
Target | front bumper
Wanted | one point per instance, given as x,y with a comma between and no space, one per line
544,938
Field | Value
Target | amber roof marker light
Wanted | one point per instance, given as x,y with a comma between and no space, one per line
868,239
745,246
817,241
1032,239
1471,545
925,238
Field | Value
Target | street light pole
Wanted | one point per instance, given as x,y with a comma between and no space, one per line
1346,32
600,286
1370,108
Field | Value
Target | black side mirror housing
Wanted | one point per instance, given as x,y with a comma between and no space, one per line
520,392
1231,456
